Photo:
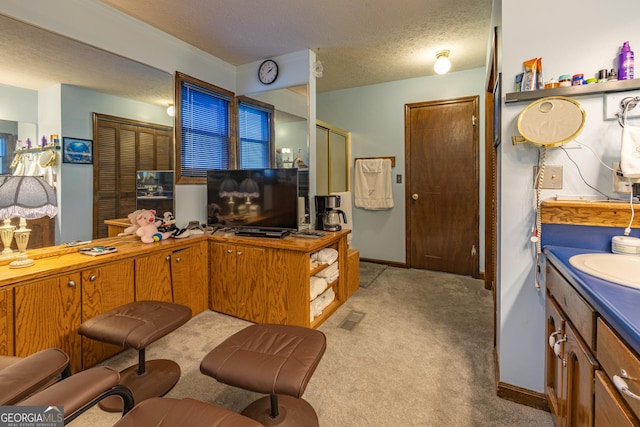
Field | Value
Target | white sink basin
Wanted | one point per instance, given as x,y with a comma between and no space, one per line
617,268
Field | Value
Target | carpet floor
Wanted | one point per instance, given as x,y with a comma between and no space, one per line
420,355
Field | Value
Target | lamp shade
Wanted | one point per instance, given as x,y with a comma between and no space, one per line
249,188
27,197
228,188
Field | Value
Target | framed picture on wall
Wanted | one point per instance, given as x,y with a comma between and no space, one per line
79,151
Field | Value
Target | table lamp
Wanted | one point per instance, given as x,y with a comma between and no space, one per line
26,197
249,189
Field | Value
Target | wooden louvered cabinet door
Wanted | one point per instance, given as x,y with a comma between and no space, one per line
121,148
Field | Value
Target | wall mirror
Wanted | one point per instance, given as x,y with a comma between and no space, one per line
35,60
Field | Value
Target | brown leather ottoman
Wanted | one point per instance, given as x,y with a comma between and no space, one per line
272,359
136,325
166,412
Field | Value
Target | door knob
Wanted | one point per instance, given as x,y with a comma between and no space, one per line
414,196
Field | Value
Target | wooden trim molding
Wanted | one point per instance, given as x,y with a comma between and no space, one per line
522,396
607,214
517,394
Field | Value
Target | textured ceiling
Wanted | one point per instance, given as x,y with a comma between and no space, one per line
360,42
33,58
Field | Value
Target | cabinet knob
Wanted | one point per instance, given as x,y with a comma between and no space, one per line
168,258
229,251
93,278
178,259
239,253
71,283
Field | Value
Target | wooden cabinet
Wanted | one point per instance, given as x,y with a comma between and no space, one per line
6,321
583,357
47,314
104,288
570,364
269,281
621,376
190,277
238,285
179,276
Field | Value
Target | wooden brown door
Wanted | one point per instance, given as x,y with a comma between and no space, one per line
442,185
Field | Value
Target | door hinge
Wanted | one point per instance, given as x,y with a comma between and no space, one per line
473,250
474,120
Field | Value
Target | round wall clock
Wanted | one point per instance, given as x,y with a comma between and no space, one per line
268,72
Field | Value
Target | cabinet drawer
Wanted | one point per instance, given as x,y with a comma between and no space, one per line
574,306
610,411
614,357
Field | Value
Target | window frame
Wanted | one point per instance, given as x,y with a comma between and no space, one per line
234,134
232,117
272,133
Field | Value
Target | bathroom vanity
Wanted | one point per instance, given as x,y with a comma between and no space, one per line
592,325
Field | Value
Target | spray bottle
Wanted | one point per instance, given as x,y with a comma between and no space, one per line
625,63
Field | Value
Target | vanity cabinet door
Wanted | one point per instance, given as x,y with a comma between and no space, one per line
47,314
104,288
555,372
581,368
610,411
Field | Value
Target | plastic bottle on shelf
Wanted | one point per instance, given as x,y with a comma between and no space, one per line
625,63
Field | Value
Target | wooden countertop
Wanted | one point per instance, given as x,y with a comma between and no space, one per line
584,212
63,259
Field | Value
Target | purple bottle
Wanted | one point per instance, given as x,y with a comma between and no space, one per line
625,63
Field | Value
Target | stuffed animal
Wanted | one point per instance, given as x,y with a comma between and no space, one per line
168,223
131,230
148,230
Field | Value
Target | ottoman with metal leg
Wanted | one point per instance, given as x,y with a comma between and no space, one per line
136,325
277,360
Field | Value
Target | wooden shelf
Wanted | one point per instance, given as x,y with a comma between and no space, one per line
591,89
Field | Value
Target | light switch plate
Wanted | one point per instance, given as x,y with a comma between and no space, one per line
552,179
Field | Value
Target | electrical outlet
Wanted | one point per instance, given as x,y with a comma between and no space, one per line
552,179
622,185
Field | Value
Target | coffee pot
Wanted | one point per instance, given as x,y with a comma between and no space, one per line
331,219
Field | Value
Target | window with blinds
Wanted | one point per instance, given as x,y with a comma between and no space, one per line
207,118
255,136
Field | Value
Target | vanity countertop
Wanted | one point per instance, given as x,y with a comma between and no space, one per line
619,305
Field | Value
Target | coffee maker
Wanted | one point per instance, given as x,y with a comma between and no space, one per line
325,204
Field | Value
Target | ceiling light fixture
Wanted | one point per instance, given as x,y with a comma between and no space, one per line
443,64
171,110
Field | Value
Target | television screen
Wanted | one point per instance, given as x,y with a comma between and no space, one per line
253,198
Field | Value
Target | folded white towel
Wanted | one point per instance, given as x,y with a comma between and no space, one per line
317,286
325,256
322,301
331,270
630,152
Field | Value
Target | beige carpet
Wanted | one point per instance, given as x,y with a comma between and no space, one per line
421,356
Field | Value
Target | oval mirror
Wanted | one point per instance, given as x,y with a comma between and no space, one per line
551,121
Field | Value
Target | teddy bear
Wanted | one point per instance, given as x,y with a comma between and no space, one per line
131,230
148,227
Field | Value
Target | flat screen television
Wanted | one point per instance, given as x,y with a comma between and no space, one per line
253,198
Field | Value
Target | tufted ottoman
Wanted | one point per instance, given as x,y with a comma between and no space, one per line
277,360
136,325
